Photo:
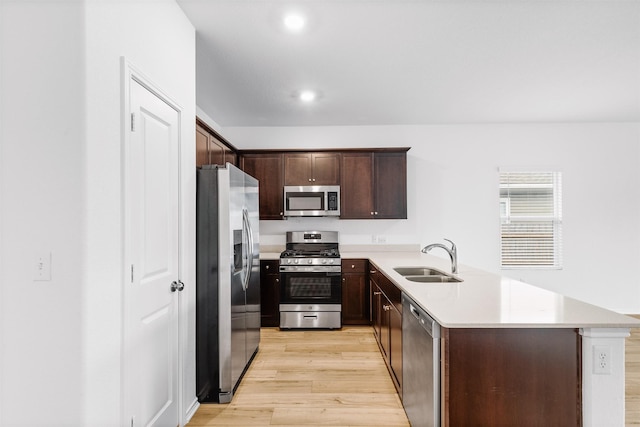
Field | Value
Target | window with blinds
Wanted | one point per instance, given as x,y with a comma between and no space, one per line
531,220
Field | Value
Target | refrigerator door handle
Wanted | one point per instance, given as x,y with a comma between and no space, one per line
249,248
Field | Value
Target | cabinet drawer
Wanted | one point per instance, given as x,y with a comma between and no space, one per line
269,267
354,265
392,292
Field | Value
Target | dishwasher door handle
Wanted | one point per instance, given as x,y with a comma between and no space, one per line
415,312
423,319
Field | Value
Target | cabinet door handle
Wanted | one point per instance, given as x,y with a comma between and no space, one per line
386,307
309,179
344,279
353,266
277,280
372,272
377,293
266,267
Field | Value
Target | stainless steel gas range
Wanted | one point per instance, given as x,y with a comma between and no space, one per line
311,281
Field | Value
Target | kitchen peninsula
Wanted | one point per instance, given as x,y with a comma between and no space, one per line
512,350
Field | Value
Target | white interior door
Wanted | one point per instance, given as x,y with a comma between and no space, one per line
151,362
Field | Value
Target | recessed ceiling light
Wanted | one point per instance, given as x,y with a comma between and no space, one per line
294,22
307,96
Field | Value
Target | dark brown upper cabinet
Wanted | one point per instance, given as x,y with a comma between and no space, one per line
212,149
322,168
374,185
267,169
373,181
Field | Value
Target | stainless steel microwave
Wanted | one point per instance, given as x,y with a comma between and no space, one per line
312,200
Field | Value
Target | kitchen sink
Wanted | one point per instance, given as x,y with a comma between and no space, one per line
418,271
433,279
426,275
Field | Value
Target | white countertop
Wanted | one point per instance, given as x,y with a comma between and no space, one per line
486,300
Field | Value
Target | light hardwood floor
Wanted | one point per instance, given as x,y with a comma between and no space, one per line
312,378
338,378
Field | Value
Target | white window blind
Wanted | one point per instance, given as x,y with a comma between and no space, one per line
531,219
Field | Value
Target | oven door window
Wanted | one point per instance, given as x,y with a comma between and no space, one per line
316,288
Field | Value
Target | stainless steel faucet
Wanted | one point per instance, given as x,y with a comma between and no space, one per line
453,253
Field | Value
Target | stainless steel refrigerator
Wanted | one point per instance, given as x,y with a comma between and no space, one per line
228,280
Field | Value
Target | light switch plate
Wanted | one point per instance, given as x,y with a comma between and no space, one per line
42,266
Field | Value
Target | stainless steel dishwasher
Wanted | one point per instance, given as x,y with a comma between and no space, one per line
420,365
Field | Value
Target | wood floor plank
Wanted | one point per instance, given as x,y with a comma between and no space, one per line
322,400
234,416
338,416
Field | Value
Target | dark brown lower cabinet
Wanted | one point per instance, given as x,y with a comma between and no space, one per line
269,293
355,292
386,319
511,377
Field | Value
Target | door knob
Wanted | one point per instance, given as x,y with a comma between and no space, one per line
177,286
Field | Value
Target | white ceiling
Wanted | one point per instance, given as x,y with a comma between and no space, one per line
378,62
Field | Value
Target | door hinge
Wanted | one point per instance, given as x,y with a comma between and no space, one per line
131,273
133,122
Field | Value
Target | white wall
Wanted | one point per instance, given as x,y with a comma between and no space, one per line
43,210
60,189
453,193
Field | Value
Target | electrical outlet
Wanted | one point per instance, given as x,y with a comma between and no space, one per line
602,359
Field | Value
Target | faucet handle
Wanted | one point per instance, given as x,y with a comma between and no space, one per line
453,245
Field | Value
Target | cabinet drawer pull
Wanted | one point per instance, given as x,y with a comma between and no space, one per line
377,293
372,272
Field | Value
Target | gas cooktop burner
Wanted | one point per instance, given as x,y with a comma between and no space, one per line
311,251
299,253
